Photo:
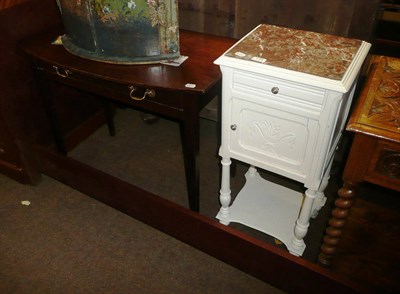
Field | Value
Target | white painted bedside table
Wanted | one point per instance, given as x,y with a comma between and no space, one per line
286,95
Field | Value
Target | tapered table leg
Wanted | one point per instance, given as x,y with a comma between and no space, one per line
190,133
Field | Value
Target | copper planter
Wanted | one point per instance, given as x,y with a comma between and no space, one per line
121,31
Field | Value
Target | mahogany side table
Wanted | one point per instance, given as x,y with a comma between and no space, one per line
375,152
175,92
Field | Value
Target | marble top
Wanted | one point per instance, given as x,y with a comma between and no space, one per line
313,53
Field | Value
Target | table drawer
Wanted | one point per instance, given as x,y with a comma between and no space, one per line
132,94
384,168
276,89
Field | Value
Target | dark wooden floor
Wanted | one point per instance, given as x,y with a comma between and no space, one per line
369,247
367,252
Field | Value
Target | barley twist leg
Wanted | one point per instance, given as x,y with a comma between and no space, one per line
336,223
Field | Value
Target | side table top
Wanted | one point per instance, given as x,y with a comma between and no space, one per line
377,112
198,70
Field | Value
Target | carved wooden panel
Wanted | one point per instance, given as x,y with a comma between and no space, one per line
379,112
385,108
383,162
389,164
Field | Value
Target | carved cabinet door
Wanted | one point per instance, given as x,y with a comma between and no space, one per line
273,136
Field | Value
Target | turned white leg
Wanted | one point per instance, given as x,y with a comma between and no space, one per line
320,198
225,192
302,223
252,171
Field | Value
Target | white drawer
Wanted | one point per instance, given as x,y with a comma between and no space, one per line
273,88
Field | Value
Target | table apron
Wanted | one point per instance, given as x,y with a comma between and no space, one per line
168,103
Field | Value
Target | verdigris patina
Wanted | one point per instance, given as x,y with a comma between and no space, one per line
121,31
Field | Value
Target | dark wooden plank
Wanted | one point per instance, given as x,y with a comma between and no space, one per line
270,264
332,17
235,18
208,16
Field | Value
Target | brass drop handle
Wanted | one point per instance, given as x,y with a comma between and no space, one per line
149,92
63,75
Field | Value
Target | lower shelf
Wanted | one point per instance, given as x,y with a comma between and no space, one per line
267,207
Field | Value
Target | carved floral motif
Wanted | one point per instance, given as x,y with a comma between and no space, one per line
389,164
272,135
386,106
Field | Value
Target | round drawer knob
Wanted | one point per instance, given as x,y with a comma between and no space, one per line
275,90
233,127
